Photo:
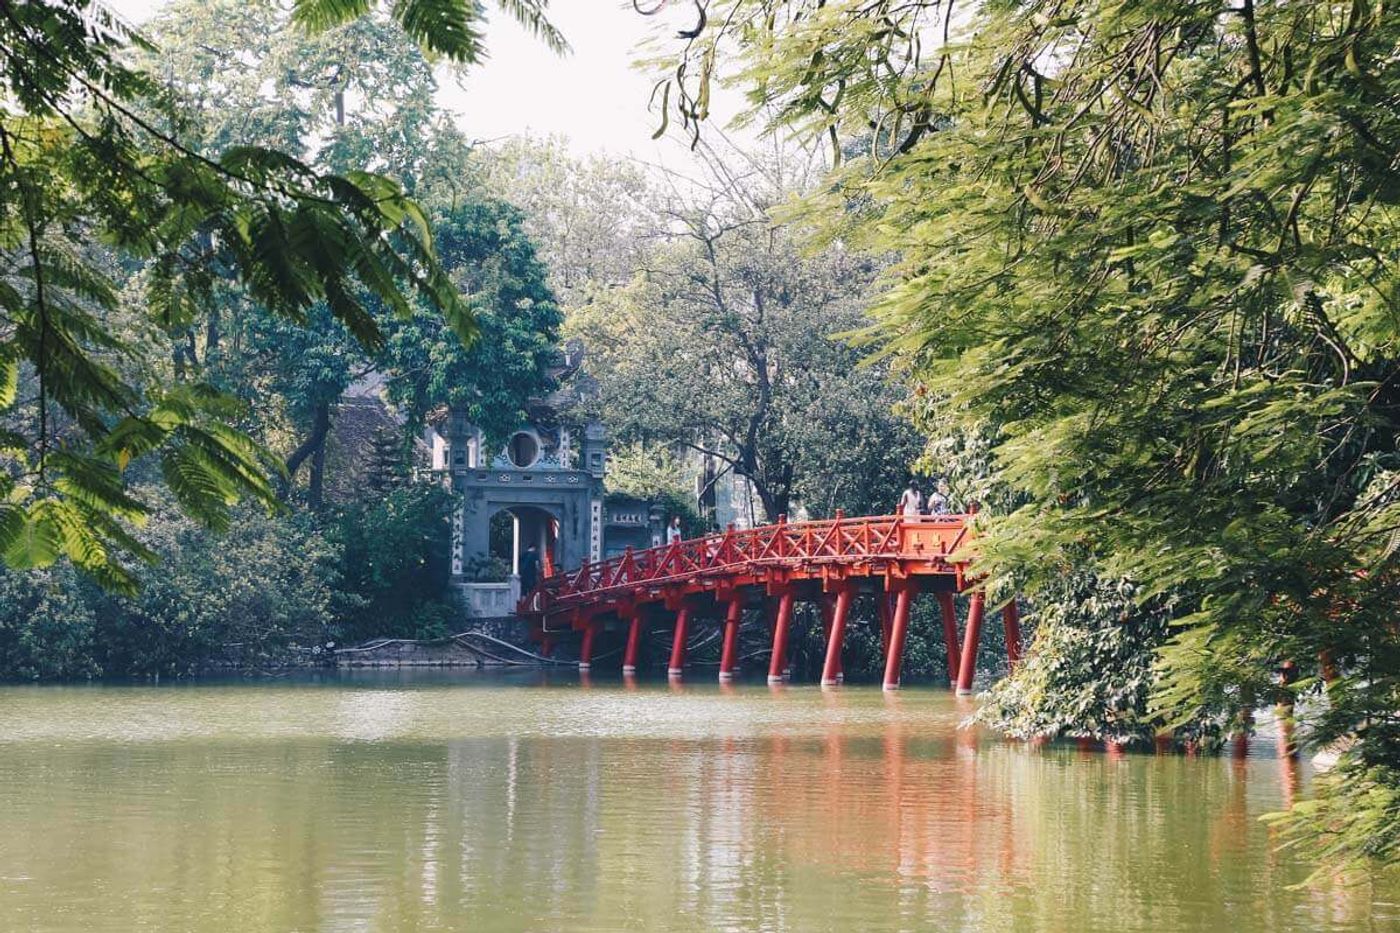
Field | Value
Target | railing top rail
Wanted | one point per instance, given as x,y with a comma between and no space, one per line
867,537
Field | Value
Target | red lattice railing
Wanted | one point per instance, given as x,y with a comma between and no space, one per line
931,540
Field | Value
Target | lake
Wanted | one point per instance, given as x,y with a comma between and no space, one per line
485,801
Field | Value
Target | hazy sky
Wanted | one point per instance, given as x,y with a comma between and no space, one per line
592,95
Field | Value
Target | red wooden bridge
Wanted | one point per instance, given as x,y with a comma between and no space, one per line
828,562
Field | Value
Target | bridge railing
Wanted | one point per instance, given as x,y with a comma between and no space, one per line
837,540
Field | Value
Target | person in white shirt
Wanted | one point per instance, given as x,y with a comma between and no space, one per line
673,530
911,501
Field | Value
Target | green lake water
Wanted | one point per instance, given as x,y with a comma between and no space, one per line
466,801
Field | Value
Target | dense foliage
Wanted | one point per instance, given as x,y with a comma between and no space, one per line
394,554
267,592
247,595
1149,252
490,258
91,182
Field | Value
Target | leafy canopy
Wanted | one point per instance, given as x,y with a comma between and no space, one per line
92,182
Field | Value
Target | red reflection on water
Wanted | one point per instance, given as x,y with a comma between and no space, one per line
901,803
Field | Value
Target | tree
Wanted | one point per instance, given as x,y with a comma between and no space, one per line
359,95
88,179
726,345
1149,251
386,469
589,216
493,262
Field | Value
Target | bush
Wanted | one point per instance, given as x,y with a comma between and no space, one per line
394,562
1089,672
259,595
485,568
249,596
47,628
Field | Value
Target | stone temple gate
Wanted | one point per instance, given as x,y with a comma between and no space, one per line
548,478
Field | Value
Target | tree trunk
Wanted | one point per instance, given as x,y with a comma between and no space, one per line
707,498
314,446
212,333
774,503
775,497
317,480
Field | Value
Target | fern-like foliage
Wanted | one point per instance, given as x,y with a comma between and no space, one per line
449,28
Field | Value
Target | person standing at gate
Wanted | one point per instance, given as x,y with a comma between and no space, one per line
911,501
529,569
673,530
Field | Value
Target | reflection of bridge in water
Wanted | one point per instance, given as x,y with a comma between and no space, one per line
688,583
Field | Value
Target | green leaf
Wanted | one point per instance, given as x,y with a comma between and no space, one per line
36,542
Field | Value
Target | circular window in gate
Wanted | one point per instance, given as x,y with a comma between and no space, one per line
523,449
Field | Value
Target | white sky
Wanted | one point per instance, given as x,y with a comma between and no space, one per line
592,95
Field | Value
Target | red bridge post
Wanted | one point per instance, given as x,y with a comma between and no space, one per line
678,639
899,630
585,651
950,634
835,639
729,654
778,662
886,612
967,661
634,639
1011,619
828,605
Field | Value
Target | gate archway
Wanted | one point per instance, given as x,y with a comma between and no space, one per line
515,528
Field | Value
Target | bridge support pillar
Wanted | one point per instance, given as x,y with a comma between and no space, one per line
886,606
828,607
836,638
678,642
950,635
585,651
780,638
634,641
729,653
1011,619
967,660
899,629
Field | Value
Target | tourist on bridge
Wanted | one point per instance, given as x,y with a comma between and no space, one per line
529,569
673,530
939,502
911,501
